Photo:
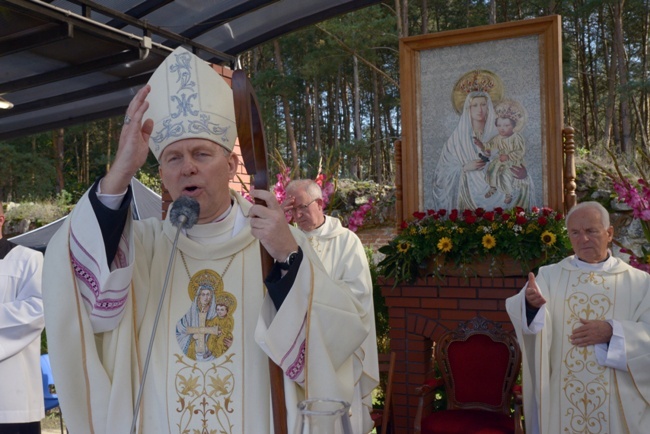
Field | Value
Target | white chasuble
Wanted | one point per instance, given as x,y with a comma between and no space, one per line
344,258
566,390
208,369
206,344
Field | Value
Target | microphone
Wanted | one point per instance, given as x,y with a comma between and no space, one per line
184,214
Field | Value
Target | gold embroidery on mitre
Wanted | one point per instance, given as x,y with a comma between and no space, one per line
585,383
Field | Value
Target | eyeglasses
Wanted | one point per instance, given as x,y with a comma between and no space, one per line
302,208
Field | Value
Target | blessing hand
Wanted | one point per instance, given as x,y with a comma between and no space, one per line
133,146
534,296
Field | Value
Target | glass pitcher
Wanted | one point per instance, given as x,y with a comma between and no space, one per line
323,416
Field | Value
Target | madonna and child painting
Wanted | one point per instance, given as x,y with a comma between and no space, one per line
483,164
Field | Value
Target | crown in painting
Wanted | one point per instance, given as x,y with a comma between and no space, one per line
509,109
477,82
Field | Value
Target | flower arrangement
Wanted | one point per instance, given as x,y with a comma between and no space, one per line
635,193
461,238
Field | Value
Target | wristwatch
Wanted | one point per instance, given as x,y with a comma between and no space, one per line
287,262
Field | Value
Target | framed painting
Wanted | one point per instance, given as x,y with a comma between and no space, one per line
482,117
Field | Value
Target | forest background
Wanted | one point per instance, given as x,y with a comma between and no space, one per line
331,102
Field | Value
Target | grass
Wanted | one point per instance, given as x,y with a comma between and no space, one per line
51,422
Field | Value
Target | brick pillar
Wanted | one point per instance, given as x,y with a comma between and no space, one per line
420,312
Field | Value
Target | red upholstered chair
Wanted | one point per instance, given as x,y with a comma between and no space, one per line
479,364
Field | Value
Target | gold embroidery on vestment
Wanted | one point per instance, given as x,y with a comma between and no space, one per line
204,396
204,386
586,383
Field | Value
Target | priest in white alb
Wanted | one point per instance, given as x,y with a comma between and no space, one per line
583,325
219,321
343,256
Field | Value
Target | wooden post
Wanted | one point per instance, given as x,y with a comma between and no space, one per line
569,147
399,211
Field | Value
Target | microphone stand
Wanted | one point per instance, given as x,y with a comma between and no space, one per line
182,219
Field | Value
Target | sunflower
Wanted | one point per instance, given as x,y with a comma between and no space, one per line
445,244
403,247
489,241
548,238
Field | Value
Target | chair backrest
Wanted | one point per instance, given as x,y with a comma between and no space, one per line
51,399
479,363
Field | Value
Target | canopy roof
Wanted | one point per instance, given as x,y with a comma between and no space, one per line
64,62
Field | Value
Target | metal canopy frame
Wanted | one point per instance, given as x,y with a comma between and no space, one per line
65,62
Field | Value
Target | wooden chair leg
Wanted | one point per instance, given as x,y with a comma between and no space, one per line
385,419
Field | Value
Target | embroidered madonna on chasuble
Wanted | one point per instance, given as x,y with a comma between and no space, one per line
207,369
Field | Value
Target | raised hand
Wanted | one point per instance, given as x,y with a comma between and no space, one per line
533,295
133,146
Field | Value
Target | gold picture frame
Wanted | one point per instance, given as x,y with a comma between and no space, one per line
519,66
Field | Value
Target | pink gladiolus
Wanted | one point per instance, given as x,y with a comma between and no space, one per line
357,218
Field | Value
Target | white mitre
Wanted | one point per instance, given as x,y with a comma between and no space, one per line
189,99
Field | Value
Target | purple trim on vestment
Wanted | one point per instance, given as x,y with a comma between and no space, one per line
80,247
295,342
295,369
94,313
91,282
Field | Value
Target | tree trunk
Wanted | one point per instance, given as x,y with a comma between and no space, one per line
59,156
402,16
338,104
626,142
357,114
591,80
109,144
425,17
34,156
610,66
317,136
583,86
344,127
377,140
645,95
287,111
86,154
309,121
398,17
493,12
